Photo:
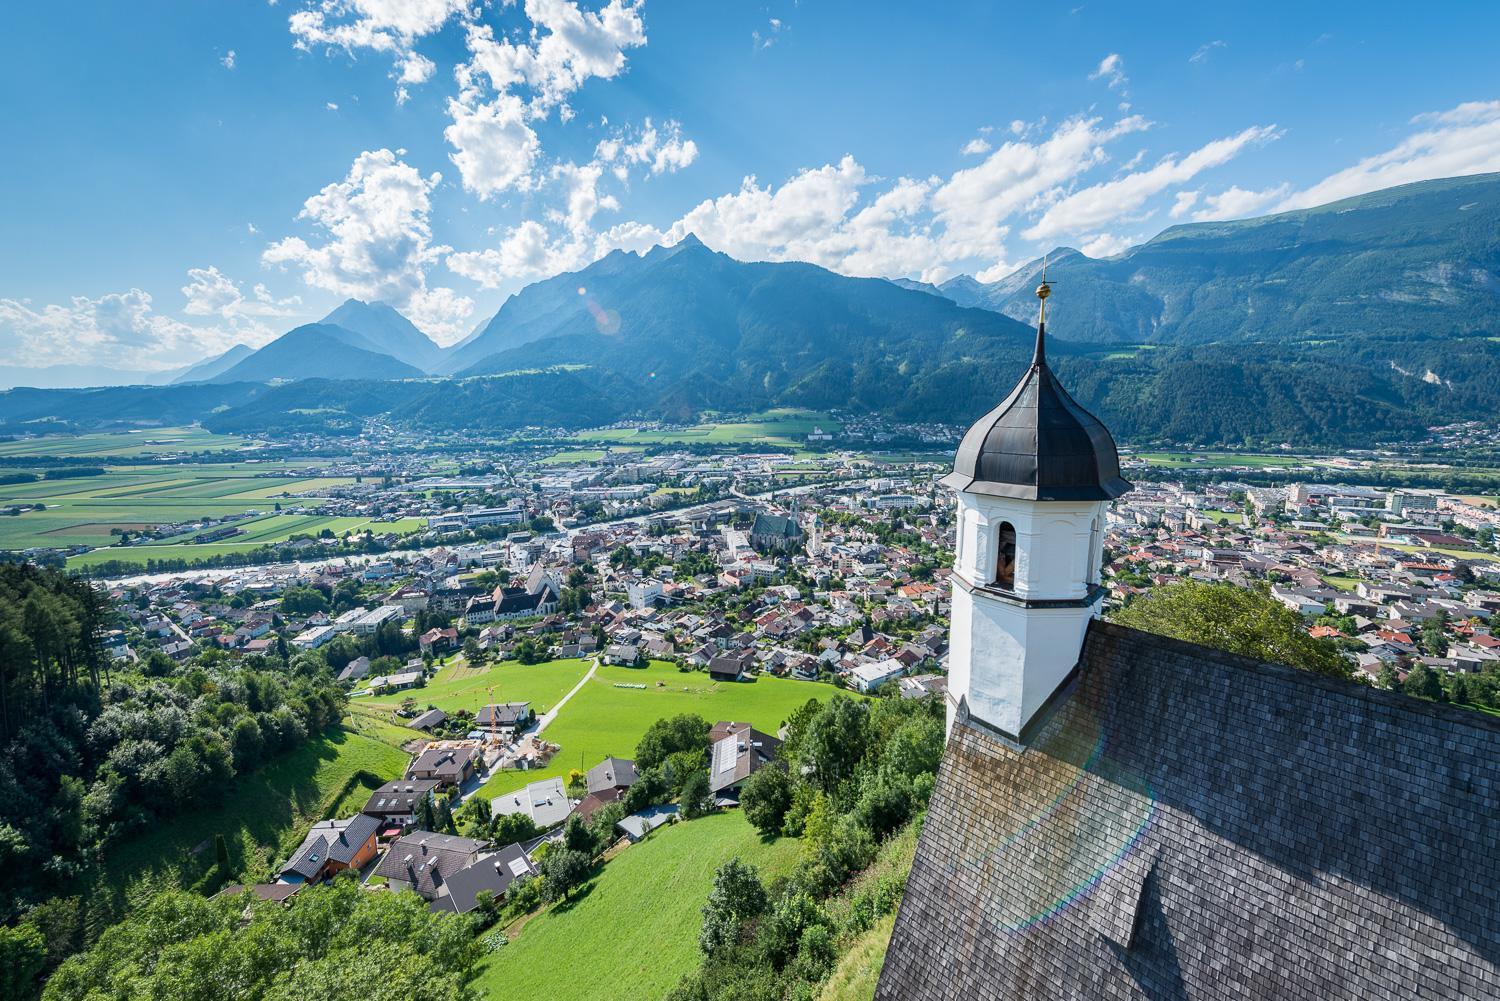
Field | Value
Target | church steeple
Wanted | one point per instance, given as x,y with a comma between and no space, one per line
1034,477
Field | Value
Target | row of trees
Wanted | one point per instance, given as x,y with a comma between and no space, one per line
850,776
337,942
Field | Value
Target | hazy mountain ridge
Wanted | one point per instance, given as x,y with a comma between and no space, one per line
321,350
1157,340
1417,260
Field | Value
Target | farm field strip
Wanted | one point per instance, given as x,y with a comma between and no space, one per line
155,441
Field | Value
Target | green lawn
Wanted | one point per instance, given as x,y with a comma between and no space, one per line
1343,583
263,815
457,687
603,720
633,932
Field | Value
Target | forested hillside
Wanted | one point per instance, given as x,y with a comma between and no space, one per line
89,757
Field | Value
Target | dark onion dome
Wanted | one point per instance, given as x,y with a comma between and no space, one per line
1039,444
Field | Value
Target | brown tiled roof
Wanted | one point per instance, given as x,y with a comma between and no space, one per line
1192,824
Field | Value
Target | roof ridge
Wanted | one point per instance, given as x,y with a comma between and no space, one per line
1339,686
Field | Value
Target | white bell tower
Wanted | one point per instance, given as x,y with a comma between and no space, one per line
1034,477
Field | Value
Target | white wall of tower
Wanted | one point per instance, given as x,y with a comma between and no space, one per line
1006,658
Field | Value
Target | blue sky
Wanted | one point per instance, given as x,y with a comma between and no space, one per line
182,177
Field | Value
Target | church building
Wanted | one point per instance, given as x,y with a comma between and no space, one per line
1121,815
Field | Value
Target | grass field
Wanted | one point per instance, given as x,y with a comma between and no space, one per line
1341,582
858,972
636,926
1220,460
783,427
458,687
90,510
263,815
603,720
152,441
265,531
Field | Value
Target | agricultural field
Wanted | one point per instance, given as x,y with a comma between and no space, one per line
126,444
459,687
639,919
258,532
90,510
1220,460
784,427
602,719
264,815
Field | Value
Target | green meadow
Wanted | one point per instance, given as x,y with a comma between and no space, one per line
783,427
636,924
604,720
263,816
458,686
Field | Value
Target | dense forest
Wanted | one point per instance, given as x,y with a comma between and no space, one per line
90,756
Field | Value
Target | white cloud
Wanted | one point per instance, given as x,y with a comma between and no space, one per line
494,149
1206,49
1237,203
766,39
1183,203
836,215
227,61
331,106
1112,71
1088,209
567,47
210,292
376,241
976,146
660,152
119,328
506,84
390,27
976,205
1105,245
1463,140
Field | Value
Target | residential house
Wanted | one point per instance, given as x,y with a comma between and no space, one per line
545,802
638,825
429,720
450,766
422,861
611,773
731,666
737,755
504,716
493,874
395,803
331,847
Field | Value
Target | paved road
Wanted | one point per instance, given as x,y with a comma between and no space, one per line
551,714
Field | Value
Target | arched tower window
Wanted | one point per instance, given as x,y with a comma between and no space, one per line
1005,557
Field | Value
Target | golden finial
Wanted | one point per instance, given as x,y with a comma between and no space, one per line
1042,292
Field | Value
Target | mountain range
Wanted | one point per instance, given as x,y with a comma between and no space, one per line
1369,318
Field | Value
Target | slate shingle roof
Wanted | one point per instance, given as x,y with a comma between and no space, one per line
1191,824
